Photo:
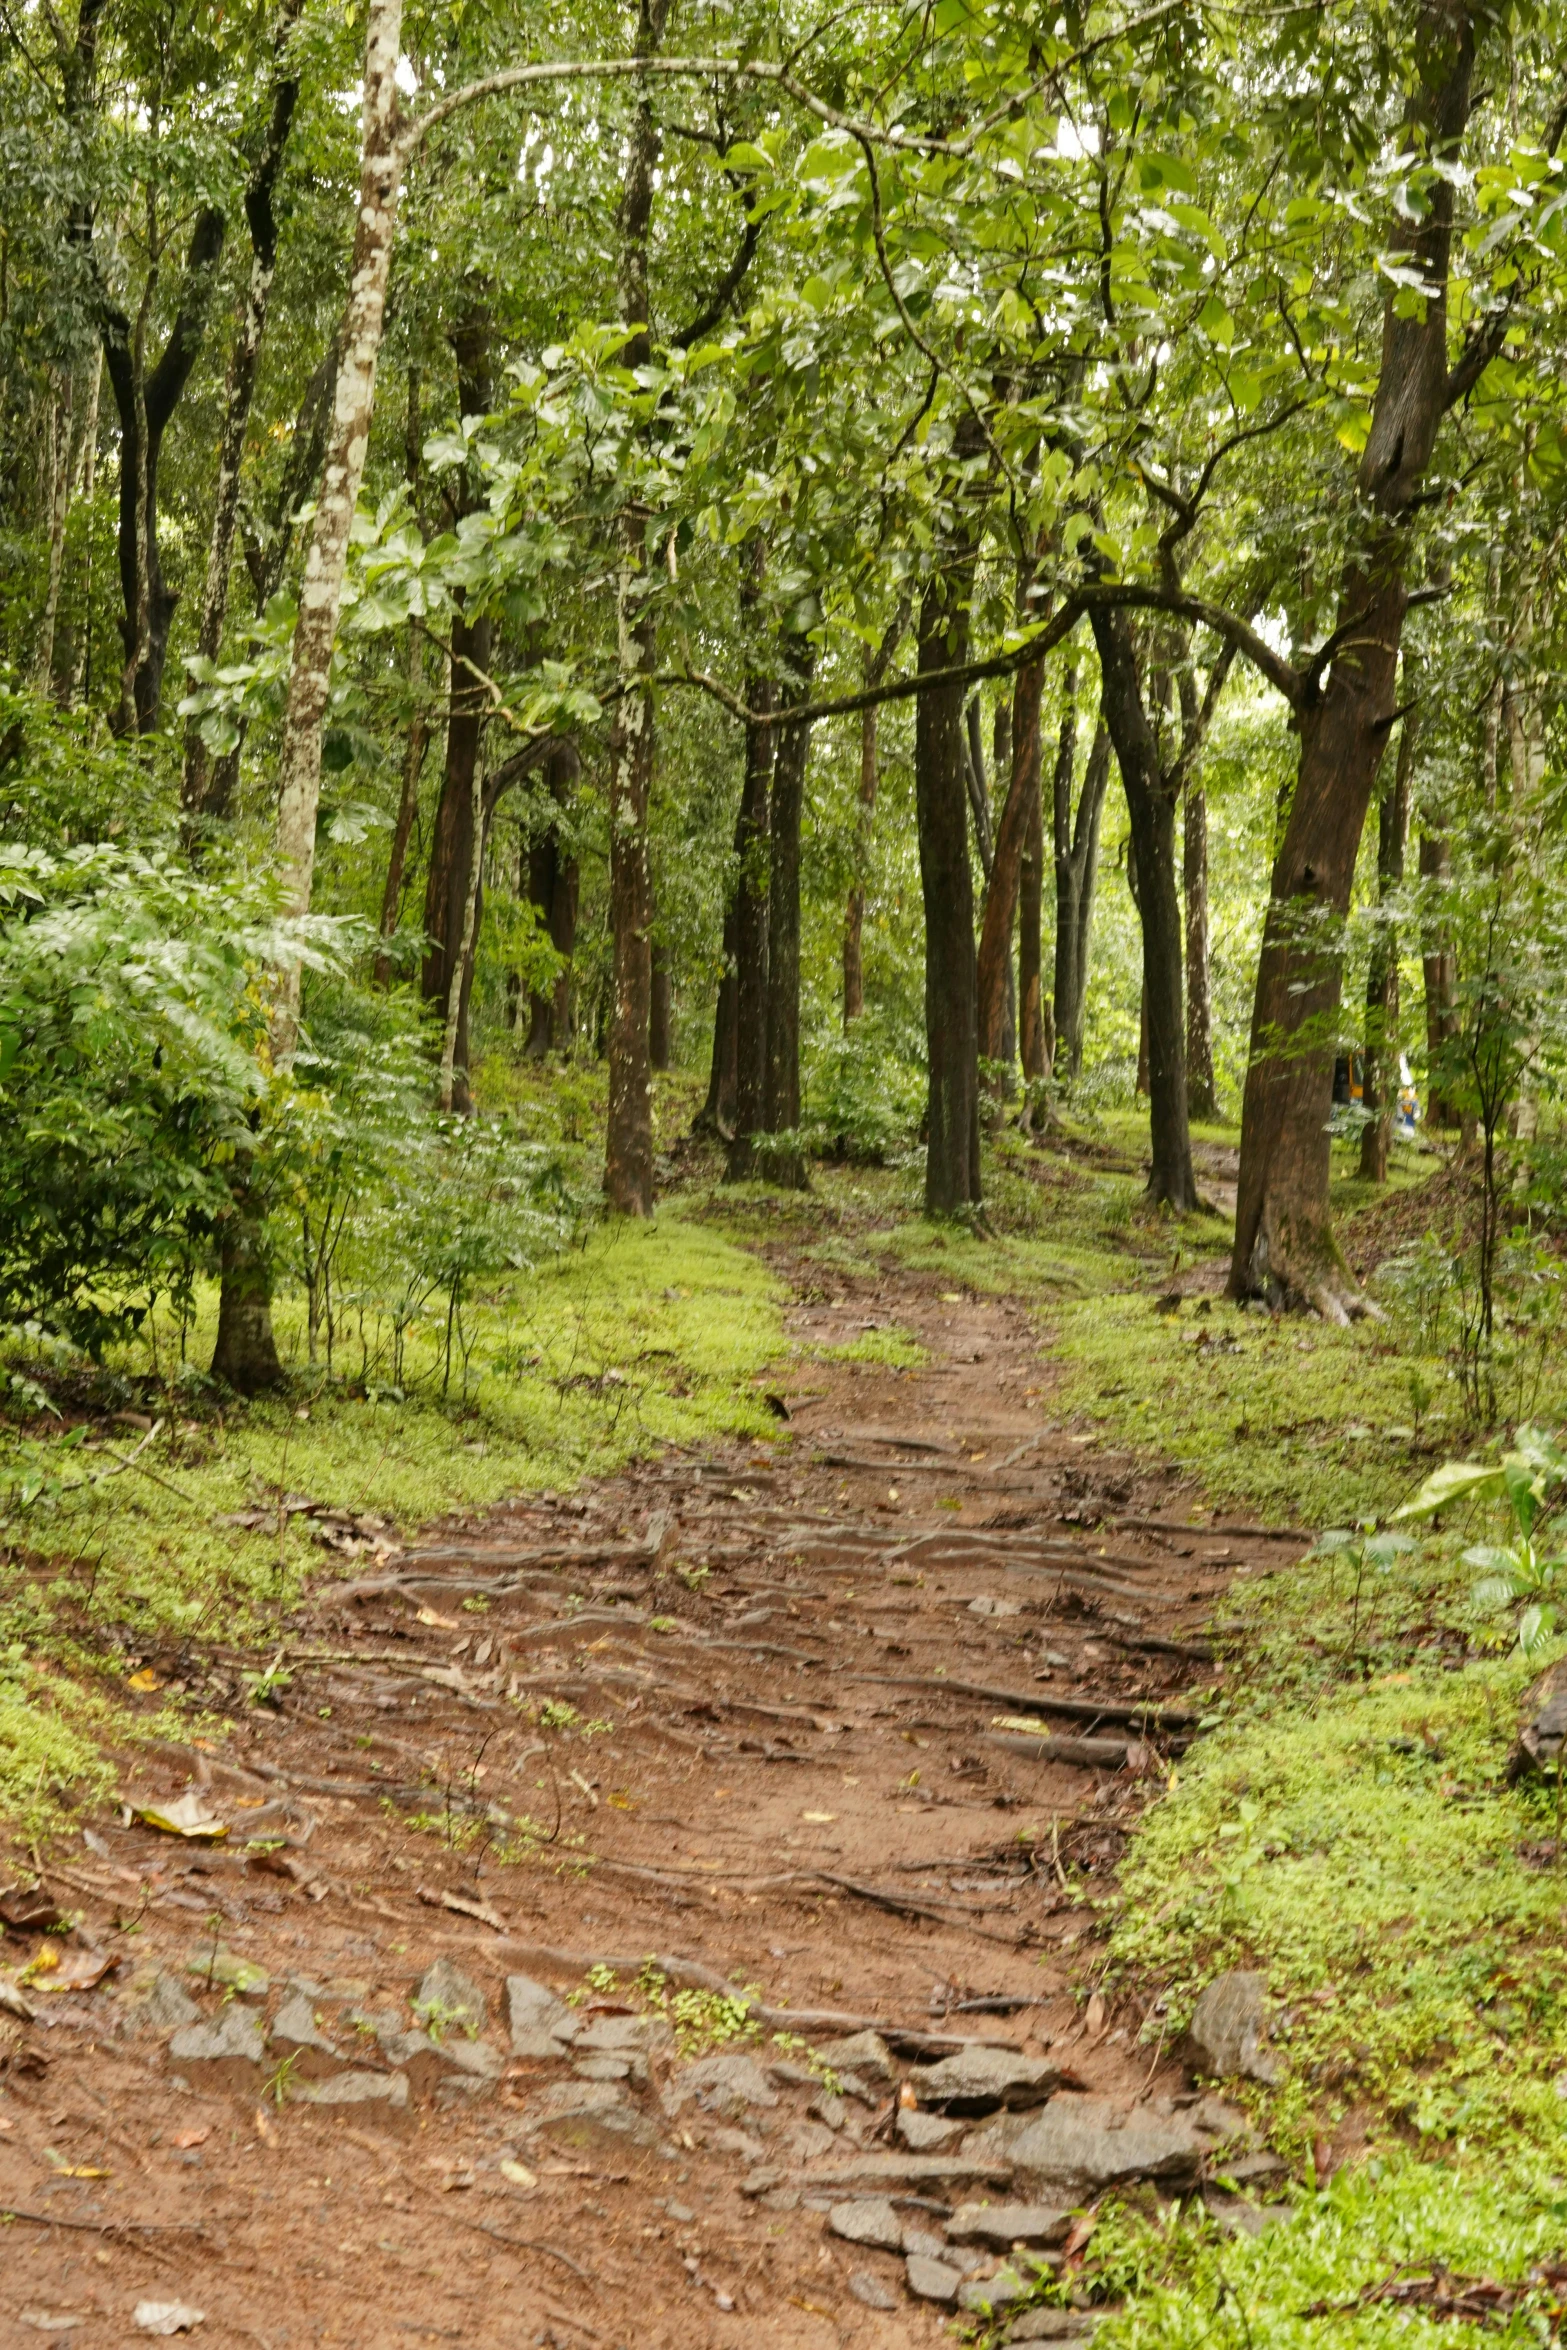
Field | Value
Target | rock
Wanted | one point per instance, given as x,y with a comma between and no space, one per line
167,2006
979,2080
915,2172
446,1996
541,2024
681,2213
1229,2027
829,2109
790,2075
579,2113
781,2199
867,2052
1543,1726
932,2280
724,2085
296,2035
222,1967
1237,2215
432,2064
224,2055
871,2221
167,2317
614,2034
354,2088
612,2068
1084,2144
761,2182
873,2290
808,2142
924,2132
1051,2325
1001,2225
920,2244
986,2294
738,2142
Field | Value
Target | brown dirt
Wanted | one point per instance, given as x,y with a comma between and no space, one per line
765,1741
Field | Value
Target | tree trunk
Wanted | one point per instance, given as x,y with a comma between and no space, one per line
197,797
59,463
952,1170
452,839
245,1334
661,1011
553,888
74,684
854,911
459,985
628,1144
407,807
1150,804
1202,1098
1439,967
781,1088
146,401
753,884
1035,1028
1076,859
717,1114
1285,1249
1380,1081
1001,896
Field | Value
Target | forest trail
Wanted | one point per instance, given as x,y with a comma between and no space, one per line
798,1652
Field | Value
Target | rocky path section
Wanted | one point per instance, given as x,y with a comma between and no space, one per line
437,2038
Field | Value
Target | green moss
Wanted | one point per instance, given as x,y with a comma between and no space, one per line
895,1348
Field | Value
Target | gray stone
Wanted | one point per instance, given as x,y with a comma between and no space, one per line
226,1970
979,2080
919,2243
354,2088
445,1996
808,2142
580,2112
866,2052
612,2034
167,2006
872,2220
724,2085
1051,2325
612,2068
1237,2215
793,2076
738,2142
224,2055
431,2063
476,2060
541,2023
829,2109
873,2290
781,2199
681,2213
918,2172
1007,2287
296,2035
1001,2225
932,2280
924,2132
1083,2145
762,2182
1229,2028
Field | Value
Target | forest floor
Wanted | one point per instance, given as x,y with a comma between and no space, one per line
732,1749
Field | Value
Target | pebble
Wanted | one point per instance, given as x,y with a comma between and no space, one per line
872,2220
866,2052
873,2290
932,2280
355,2088
1001,2225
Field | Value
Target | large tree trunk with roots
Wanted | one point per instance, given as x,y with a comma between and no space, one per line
628,1139
1285,1249
952,1169
1380,1081
247,1356
994,965
1150,804
196,788
781,1085
1202,1097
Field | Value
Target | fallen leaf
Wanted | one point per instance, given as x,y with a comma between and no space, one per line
249,1802
427,1615
191,2137
72,2170
463,1907
50,2321
1082,2228
41,1962
144,1681
519,2174
1097,2017
28,1909
264,2130
184,1815
819,1819
79,1970
168,2317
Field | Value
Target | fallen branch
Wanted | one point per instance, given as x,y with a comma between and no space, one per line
1033,1701
1095,1754
532,2244
103,2227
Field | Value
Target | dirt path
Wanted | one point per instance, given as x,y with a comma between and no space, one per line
791,1788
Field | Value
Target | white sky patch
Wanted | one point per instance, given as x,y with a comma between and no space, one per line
1074,140
407,80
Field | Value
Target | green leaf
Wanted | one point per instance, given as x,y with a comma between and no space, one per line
1454,1481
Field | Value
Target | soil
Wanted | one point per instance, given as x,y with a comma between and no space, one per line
787,1797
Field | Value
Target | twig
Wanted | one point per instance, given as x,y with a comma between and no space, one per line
535,2244
103,2227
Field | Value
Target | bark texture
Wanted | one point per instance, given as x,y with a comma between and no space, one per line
781,1084
1076,860
874,668
553,888
993,969
1381,1061
1284,1244
753,852
952,1170
1202,1097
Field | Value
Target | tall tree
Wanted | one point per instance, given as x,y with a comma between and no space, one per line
952,1168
